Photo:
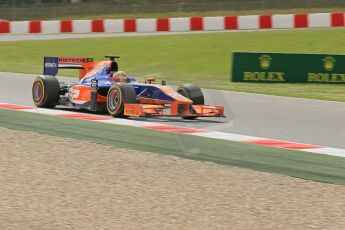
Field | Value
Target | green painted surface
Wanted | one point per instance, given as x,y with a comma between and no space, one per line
288,67
287,162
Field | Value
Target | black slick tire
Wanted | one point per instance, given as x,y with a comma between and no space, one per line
194,93
119,95
46,91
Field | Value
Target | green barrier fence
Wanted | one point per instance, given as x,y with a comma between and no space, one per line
286,67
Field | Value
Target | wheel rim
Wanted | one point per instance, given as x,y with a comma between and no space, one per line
114,100
37,91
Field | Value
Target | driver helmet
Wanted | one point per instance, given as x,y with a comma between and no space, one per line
120,76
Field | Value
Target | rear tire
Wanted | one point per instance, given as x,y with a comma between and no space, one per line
194,93
118,96
46,91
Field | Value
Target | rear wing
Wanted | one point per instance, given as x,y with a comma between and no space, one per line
53,64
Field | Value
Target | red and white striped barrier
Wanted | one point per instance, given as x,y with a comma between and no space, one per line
177,129
151,25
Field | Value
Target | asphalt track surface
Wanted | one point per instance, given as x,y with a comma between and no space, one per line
293,119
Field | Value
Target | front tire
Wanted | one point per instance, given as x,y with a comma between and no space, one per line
194,93
46,91
119,95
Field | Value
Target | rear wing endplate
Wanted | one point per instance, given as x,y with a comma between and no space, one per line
53,64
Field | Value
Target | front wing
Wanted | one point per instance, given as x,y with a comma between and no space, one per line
144,110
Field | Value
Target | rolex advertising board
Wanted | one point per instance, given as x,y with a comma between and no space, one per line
286,67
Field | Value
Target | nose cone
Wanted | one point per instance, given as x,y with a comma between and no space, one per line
172,93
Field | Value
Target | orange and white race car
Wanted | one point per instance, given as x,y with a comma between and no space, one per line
102,87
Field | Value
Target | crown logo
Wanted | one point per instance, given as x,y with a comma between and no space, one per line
265,61
329,63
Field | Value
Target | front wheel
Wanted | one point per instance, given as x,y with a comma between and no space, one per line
46,91
194,93
118,96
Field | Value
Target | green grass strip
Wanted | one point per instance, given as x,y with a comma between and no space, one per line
287,162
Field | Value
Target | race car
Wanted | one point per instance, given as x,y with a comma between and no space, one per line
102,87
